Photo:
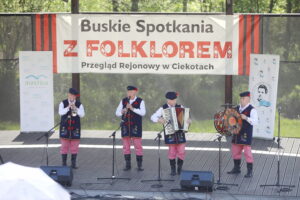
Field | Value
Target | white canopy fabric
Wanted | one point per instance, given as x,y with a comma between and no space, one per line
18,182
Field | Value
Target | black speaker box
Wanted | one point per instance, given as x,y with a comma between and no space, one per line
197,180
61,174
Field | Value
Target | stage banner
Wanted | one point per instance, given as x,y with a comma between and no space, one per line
36,91
153,43
263,82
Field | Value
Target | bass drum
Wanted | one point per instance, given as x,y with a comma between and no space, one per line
228,122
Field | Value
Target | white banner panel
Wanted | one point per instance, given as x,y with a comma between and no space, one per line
263,82
36,91
155,44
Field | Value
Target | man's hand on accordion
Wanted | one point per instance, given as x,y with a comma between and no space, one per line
161,120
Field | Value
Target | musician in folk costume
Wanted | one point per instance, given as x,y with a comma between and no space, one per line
242,141
70,110
177,141
131,109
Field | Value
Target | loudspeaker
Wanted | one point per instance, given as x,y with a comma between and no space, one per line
197,180
61,174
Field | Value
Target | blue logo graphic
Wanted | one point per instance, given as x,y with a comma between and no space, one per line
36,77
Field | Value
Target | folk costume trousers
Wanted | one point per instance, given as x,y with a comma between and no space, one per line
68,145
237,149
137,143
176,150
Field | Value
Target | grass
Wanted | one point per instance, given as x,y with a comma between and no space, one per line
289,127
8,125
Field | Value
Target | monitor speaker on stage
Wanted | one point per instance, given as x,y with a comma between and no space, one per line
197,180
61,174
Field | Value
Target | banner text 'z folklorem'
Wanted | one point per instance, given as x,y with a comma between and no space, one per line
154,44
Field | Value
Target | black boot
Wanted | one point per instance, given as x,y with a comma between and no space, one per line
173,167
237,167
139,161
73,160
249,170
179,165
128,162
64,159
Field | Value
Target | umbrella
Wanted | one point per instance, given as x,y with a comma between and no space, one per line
18,182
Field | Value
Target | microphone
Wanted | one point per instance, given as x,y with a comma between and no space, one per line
279,108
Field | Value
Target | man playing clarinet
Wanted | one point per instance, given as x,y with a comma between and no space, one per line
131,109
70,110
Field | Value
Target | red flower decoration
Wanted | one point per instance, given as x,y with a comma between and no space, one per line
246,113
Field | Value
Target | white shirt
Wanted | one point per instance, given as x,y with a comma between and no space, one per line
141,111
158,114
253,119
63,111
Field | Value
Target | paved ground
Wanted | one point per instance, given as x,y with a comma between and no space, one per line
95,160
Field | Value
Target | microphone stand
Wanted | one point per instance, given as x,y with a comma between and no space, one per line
285,188
113,177
220,185
46,135
159,185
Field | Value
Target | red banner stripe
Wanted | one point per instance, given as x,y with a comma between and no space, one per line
46,33
241,45
38,42
248,43
54,49
256,33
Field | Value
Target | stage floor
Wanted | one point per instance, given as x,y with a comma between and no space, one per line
95,160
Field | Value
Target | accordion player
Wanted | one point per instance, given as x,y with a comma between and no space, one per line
175,119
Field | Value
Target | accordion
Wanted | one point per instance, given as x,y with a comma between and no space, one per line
176,119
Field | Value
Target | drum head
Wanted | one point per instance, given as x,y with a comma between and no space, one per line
232,121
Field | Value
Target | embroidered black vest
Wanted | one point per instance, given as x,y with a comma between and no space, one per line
132,122
245,135
178,137
70,127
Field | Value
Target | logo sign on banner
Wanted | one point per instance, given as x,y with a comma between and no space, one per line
263,84
154,43
36,91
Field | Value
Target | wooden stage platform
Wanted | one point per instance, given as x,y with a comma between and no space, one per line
95,158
